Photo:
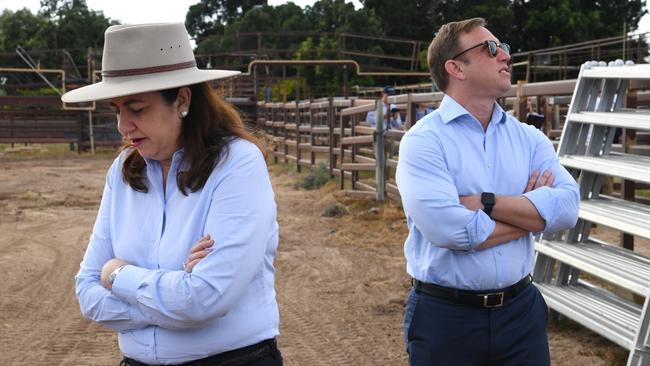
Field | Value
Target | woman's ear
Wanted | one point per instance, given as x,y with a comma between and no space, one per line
183,99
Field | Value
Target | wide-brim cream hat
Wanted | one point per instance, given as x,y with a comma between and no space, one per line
142,58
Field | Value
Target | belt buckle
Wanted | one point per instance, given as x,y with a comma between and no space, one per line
490,304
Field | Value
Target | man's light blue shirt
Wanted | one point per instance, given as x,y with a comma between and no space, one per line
162,313
447,154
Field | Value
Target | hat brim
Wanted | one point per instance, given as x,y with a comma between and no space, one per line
127,85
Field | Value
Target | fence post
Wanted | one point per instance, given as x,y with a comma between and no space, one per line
520,106
80,137
91,133
11,129
342,150
380,151
330,123
411,109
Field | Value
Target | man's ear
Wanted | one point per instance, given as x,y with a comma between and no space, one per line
184,98
454,69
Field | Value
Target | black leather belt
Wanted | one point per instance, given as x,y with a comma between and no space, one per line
482,299
240,356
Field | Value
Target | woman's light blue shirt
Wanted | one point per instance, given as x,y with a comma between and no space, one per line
447,154
163,314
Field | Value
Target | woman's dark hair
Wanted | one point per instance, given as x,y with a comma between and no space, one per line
205,132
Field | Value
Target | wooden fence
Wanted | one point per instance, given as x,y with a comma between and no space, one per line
41,119
364,158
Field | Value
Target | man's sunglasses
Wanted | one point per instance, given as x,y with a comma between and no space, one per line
492,47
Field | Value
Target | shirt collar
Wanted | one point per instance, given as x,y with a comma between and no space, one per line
176,158
450,110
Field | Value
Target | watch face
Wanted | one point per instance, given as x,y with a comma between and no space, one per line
487,198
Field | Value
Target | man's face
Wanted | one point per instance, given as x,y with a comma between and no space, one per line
384,97
485,74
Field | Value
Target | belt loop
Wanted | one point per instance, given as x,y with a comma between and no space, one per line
416,284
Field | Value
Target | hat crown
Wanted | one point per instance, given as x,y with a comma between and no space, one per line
139,46
144,58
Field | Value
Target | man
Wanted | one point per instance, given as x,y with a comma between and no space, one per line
422,110
395,118
475,184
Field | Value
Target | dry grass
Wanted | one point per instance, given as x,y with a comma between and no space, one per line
367,222
48,151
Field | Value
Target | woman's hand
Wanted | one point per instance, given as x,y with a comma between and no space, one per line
199,251
108,268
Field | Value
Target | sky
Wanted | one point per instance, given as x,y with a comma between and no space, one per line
140,11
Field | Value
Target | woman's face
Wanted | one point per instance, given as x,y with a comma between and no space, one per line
150,124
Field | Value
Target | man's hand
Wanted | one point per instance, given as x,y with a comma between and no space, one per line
199,251
535,181
108,268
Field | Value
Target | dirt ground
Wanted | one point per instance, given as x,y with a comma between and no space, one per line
341,282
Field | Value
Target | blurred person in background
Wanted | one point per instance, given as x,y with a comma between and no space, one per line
394,118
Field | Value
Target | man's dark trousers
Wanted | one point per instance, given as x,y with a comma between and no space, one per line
440,332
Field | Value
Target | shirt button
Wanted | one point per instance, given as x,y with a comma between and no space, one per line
499,252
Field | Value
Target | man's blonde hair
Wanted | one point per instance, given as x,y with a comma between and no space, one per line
445,45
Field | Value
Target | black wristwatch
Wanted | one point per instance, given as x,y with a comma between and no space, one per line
488,200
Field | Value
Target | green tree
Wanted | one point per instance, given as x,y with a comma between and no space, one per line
75,25
316,31
22,28
525,24
209,17
548,23
410,19
240,36
498,14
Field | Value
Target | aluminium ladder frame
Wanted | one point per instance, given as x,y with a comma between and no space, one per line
585,149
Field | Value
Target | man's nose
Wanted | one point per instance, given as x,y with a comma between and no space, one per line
503,55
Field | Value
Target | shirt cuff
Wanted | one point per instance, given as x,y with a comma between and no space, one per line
479,228
127,282
542,199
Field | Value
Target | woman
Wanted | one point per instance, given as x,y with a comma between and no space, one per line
180,261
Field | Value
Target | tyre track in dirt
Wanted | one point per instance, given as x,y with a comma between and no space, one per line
329,289
341,282
49,313
70,343
49,216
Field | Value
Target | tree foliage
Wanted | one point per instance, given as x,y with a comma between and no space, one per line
550,23
404,18
22,28
74,25
209,17
312,32
251,29
526,24
60,24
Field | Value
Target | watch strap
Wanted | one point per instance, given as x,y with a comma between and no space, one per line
488,200
113,275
